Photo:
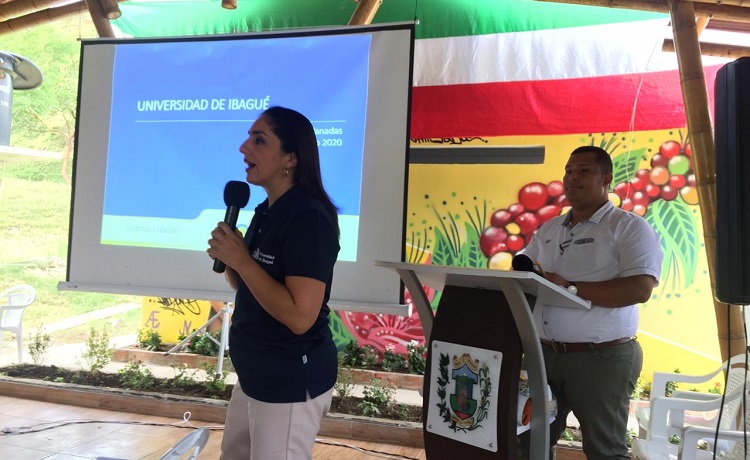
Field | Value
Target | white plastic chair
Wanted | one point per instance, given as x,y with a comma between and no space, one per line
12,303
735,378
658,447
692,434
195,442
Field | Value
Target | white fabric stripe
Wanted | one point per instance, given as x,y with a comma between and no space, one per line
577,52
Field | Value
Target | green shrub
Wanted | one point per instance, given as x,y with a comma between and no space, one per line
671,386
417,358
639,390
40,345
365,357
350,354
716,389
567,435
344,386
136,376
150,339
392,361
215,383
98,352
182,378
377,399
204,343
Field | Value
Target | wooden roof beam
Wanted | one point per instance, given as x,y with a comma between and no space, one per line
365,12
41,17
20,8
713,49
712,10
701,22
744,3
19,18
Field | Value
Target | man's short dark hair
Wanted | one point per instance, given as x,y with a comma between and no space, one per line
602,157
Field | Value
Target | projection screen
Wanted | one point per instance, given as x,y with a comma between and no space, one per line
159,125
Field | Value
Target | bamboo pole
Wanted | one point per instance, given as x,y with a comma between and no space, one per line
715,11
111,9
725,2
365,12
103,27
18,8
695,96
229,4
701,23
713,49
41,17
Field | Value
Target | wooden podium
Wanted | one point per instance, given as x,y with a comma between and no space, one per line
475,343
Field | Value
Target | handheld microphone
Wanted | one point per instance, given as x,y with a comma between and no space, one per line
523,263
236,196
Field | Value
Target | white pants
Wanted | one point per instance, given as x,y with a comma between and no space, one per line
257,430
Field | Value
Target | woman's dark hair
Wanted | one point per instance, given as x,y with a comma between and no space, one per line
297,136
602,157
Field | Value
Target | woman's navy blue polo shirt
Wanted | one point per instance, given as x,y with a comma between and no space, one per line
294,237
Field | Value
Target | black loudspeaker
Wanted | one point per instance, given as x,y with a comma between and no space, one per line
732,140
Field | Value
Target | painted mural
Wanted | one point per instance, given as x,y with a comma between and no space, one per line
532,80
481,215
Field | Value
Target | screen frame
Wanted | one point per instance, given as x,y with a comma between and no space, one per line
368,288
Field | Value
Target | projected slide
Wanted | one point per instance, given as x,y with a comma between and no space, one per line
159,126
180,110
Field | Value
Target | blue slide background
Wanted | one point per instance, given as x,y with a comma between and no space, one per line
174,164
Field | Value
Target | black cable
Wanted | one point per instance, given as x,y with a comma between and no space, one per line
744,384
18,430
743,402
724,393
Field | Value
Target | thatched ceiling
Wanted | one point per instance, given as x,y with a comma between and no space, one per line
724,15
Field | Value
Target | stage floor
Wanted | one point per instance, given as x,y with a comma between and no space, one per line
131,436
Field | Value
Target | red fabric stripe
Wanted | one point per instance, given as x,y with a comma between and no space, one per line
548,107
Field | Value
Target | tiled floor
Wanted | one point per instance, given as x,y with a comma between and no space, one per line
68,439
132,437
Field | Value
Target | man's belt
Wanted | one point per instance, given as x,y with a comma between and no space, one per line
563,347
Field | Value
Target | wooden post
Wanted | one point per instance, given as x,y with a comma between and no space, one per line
111,9
229,4
695,97
365,12
701,23
103,27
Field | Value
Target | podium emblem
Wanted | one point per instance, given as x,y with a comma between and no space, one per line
463,395
466,375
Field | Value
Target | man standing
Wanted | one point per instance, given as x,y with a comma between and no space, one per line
612,258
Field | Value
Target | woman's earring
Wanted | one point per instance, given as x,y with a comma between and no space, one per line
286,172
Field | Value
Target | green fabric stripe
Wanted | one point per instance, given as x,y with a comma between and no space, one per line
437,18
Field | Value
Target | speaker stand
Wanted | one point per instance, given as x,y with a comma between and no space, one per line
224,314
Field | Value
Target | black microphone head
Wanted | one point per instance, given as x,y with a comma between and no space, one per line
236,193
522,263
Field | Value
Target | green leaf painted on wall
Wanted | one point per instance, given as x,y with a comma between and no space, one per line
674,222
443,252
625,165
471,254
341,335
